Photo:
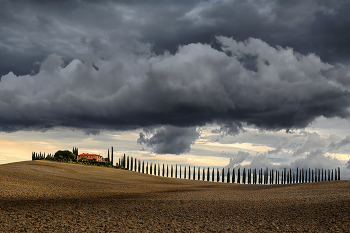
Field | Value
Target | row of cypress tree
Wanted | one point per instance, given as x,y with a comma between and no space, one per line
38,156
246,176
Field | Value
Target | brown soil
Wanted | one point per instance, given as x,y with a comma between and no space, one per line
43,196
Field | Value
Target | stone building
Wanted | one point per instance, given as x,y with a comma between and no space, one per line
90,157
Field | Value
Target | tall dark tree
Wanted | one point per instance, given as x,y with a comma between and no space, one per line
223,175
163,170
297,175
176,171
239,176
203,176
305,180
180,171
228,175
338,173
199,173
112,156
309,174
233,176
332,175
167,170
194,172
208,175
217,175
212,175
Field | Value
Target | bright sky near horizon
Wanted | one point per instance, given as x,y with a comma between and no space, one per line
205,83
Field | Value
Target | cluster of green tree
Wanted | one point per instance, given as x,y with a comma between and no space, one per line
71,157
38,156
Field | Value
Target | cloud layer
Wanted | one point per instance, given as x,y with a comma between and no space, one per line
199,84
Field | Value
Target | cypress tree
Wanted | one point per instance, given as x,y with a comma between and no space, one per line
199,173
208,175
309,174
322,175
143,166
228,175
194,172
223,176
131,163
189,172
217,175
332,174
108,156
203,176
239,176
112,156
248,176
306,176
155,169
150,169
171,171
297,180
282,178
233,176
147,168
276,181
212,175
338,173
163,170
176,171
180,171
167,170
315,174
185,173
139,166
329,175
319,170
302,179
335,174
244,176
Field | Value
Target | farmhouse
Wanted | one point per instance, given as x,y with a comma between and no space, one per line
90,157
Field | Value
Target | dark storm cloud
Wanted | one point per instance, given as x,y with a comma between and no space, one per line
135,88
31,30
105,65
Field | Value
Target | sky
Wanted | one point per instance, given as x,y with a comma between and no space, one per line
207,83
